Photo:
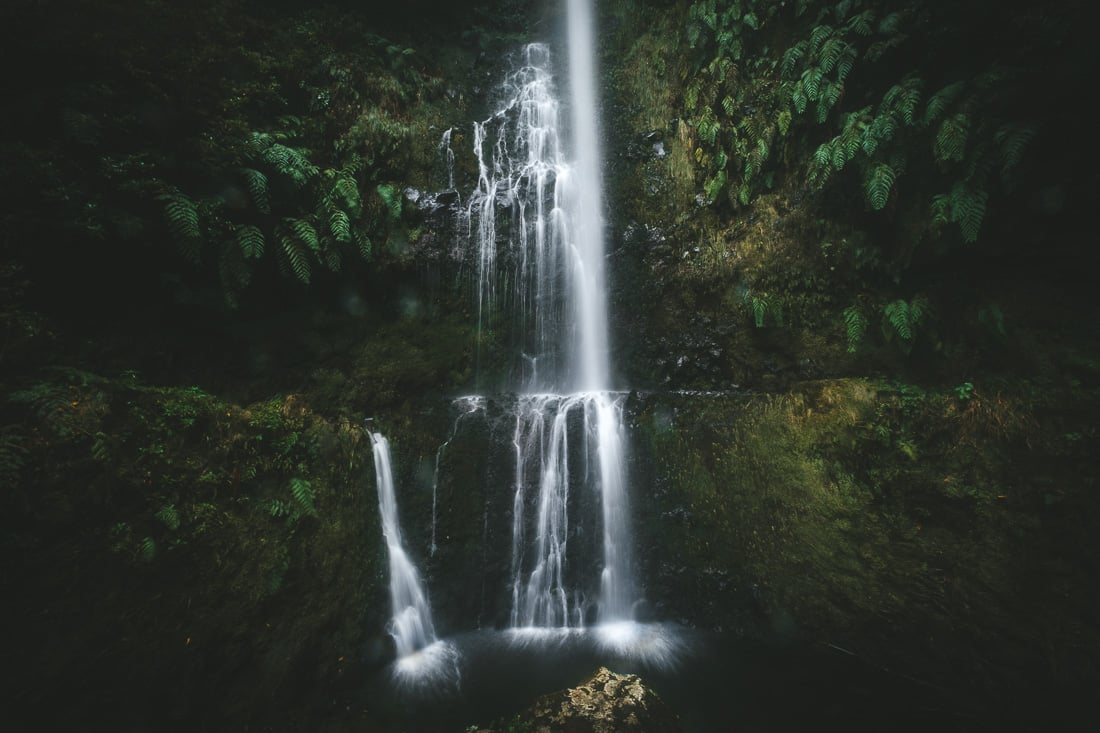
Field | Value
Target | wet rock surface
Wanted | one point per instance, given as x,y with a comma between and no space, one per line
607,702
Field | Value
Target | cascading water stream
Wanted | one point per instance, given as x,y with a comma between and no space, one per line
411,626
568,436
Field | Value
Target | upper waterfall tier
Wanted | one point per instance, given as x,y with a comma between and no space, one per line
534,225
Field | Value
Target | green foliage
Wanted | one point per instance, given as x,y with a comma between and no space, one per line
148,549
302,491
250,238
964,205
901,318
168,516
392,198
950,142
855,327
878,184
964,391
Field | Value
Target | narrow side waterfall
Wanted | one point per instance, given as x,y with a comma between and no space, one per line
411,626
535,231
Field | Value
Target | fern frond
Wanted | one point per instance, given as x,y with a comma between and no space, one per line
391,196
783,121
792,56
148,549
340,225
890,24
862,24
855,324
950,142
295,256
880,131
902,99
729,106
897,315
818,36
302,491
799,98
968,209
713,186
251,241
304,231
941,100
840,12
811,81
879,183
168,516
363,242
759,309
1013,141
845,63
256,182
183,222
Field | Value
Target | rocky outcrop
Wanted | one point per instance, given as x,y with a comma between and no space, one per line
606,703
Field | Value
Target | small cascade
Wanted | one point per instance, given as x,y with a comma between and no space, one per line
448,156
411,626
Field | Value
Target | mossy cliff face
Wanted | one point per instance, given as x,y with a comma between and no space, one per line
942,534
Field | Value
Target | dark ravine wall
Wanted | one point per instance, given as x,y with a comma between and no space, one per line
189,521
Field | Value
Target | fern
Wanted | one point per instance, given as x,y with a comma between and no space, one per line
759,310
879,183
845,63
148,549
340,225
861,24
183,223
295,256
714,186
855,326
783,121
890,24
305,232
818,36
968,209
257,188
792,56
363,242
279,508
251,241
950,142
168,516
302,491
902,318
941,100
1013,141
880,131
902,99
391,197
831,53
811,82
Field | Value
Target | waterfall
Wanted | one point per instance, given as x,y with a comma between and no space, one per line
535,229
411,626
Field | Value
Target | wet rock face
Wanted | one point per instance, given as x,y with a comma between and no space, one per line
606,703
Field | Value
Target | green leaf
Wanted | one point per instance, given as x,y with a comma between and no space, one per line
950,143
879,183
251,241
257,188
